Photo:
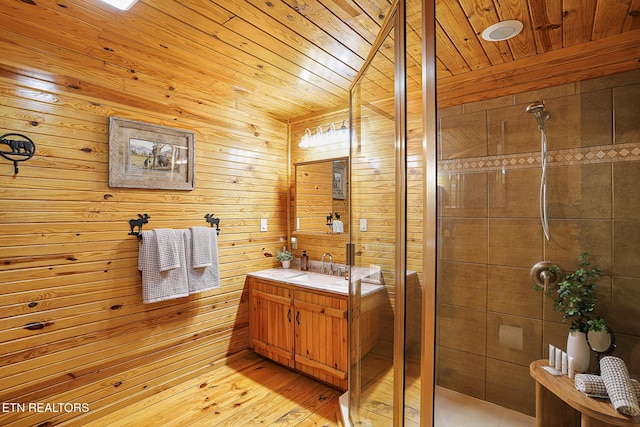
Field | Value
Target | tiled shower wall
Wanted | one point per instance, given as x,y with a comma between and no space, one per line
491,324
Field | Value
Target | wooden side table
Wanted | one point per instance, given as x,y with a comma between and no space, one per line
559,404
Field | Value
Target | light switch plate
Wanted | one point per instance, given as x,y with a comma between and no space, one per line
363,225
263,224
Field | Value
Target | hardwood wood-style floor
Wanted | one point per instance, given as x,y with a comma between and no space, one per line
252,390
248,391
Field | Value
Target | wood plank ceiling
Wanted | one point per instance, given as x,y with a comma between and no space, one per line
291,57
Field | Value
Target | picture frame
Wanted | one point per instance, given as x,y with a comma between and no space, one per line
143,155
339,183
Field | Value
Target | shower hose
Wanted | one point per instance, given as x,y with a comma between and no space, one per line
543,185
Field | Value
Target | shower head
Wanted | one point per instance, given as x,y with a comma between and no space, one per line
542,116
536,107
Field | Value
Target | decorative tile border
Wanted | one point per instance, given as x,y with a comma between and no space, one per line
574,156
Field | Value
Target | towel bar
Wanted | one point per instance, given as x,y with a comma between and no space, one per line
144,219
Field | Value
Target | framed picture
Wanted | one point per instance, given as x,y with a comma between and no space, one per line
142,155
339,180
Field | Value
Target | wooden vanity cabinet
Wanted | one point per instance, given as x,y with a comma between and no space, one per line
299,328
271,332
321,346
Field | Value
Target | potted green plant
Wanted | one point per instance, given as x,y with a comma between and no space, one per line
576,299
285,257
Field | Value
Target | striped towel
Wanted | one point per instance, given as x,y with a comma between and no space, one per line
616,379
168,252
593,386
160,285
202,278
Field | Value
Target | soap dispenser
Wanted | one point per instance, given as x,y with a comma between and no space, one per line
304,261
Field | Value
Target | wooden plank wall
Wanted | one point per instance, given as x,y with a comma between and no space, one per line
317,244
73,328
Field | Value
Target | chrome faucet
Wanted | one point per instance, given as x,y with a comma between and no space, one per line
322,269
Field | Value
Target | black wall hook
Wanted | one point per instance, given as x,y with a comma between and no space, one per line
139,222
21,149
330,219
213,221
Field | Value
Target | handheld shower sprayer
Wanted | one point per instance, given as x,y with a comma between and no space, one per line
537,108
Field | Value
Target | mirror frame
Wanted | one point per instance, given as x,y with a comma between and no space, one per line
609,350
612,345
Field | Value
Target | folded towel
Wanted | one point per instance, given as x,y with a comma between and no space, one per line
167,243
338,226
202,278
616,379
593,386
200,247
160,285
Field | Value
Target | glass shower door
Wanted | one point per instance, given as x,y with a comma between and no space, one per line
390,378
374,228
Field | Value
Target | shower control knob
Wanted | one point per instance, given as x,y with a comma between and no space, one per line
541,275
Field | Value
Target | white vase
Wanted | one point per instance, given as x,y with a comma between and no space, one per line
578,348
286,264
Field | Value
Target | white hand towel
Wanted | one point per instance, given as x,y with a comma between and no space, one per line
616,379
338,226
200,247
202,278
160,285
167,243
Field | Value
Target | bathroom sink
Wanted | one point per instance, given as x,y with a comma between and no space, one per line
281,274
319,280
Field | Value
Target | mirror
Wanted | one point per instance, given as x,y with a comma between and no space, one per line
322,196
601,342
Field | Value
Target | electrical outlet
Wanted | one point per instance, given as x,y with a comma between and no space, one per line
263,224
363,225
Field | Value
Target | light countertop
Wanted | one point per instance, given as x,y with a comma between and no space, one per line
324,282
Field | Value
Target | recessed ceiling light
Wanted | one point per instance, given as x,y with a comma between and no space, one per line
121,4
502,31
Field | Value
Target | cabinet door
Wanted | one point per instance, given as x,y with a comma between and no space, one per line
271,321
321,337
